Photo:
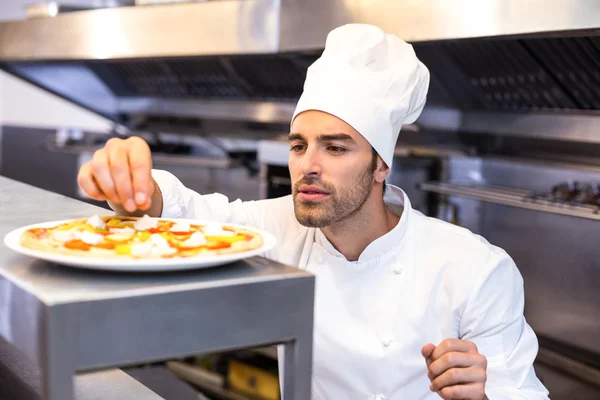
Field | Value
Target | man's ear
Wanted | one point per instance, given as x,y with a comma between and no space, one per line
382,170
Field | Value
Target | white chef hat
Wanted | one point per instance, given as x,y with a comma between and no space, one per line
371,80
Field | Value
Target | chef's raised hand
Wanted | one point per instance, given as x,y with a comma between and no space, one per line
120,173
456,369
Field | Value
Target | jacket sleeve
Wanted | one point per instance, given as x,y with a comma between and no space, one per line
493,319
270,215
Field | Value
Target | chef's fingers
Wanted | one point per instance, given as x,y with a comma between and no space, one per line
119,170
140,163
148,201
426,353
103,177
457,376
449,345
146,205
86,182
455,359
463,392
427,350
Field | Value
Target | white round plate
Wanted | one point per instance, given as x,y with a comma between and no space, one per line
12,241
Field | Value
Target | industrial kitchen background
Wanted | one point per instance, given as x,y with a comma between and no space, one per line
508,145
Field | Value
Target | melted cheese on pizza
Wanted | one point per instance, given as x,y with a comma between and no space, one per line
140,237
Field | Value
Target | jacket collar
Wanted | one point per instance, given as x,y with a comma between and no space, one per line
394,198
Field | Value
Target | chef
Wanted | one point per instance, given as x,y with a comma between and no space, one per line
407,306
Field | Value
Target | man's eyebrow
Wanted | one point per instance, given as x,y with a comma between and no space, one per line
323,137
295,136
336,136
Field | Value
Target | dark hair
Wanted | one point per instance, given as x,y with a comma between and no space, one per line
374,164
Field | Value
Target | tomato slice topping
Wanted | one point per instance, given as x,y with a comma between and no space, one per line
77,245
105,245
39,233
217,245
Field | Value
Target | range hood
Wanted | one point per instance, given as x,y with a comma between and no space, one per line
246,59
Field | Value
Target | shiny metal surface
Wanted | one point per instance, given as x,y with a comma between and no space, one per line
20,379
537,175
558,258
306,23
75,82
439,19
259,26
248,110
564,387
509,197
192,161
189,29
566,365
234,110
69,320
572,127
556,254
133,64
235,183
446,119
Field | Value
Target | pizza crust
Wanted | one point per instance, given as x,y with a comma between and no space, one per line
242,246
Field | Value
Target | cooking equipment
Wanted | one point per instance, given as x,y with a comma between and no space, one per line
144,66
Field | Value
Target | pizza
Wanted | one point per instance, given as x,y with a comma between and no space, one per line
140,238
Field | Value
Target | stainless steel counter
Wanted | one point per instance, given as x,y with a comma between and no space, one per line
20,379
68,320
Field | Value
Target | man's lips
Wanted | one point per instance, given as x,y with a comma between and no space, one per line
311,193
311,189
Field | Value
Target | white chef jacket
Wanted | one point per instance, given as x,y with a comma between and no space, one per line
424,281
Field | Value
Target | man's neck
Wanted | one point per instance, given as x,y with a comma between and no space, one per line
352,235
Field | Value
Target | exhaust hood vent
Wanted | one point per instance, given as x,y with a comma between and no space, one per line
575,65
182,79
265,78
554,74
247,59
547,74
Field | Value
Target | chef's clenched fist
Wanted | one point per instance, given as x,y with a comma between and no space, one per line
120,173
456,370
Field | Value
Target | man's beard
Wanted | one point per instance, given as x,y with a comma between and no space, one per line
338,206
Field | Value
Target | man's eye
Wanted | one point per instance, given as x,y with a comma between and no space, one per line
336,149
297,147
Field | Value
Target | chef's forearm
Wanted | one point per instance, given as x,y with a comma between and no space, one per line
156,205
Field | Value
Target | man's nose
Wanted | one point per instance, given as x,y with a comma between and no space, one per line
311,163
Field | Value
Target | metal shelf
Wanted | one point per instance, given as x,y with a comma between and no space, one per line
511,197
569,366
180,160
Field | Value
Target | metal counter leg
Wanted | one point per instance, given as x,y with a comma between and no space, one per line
57,384
297,369
56,359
